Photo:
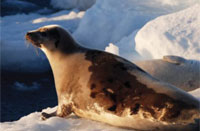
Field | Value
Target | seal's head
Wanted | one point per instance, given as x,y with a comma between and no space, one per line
50,37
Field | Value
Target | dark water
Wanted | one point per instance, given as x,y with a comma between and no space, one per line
16,102
12,7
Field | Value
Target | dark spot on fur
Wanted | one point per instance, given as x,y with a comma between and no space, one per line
113,97
93,86
124,87
116,65
55,35
102,81
106,92
112,108
120,66
123,68
110,80
104,89
93,94
109,94
56,43
127,84
175,113
135,109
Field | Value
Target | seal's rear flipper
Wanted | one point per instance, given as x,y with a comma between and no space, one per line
174,59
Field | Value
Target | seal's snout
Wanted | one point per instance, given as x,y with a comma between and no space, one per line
33,38
28,36
29,33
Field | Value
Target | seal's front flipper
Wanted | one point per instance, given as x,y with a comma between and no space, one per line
45,115
174,59
64,110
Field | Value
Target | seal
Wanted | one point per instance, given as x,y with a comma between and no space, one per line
175,70
101,86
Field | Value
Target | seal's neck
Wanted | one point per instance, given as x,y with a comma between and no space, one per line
63,65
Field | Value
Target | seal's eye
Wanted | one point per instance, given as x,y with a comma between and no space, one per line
44,34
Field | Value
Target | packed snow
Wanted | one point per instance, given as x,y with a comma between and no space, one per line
108,21
71,4
32,122
112,49
173,34
134,29
196,93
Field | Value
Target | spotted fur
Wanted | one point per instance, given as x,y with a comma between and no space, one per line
103,87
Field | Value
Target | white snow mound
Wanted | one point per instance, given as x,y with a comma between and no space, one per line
173,34
112,49
71,4
108,21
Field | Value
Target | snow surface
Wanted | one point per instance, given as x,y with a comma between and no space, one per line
112,49
108,21
196,93
16,55
32,122
70,4
173,34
